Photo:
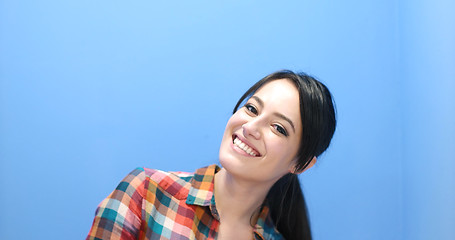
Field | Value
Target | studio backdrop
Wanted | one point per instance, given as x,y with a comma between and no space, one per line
90,90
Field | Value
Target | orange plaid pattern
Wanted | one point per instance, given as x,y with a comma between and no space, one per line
153,204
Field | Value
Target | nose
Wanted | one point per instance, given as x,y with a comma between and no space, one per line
251,128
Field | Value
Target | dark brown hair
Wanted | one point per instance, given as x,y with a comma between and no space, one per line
317,112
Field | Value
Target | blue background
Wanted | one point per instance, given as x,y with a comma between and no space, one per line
89,90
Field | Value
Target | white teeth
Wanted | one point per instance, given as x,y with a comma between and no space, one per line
244,147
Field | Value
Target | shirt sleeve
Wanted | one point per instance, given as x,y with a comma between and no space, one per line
119,215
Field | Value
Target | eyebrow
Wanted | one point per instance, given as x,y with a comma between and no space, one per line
261,104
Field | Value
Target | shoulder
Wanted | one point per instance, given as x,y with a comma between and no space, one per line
160,175
175,183
172,183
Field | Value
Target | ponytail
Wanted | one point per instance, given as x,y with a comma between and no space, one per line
288,208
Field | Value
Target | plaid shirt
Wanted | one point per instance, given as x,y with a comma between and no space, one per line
152,204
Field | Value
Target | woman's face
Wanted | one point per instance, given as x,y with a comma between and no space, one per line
262,138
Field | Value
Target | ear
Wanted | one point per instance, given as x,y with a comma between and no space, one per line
311,164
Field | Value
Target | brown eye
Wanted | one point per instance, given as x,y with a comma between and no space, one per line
281,130
251,108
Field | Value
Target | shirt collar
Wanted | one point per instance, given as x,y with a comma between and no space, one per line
201,193
265,227
201,190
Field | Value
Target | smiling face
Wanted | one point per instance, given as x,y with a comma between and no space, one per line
262,138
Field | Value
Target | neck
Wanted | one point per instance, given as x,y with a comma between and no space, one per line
237,199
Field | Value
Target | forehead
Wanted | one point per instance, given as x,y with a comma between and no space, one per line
281,96
283,90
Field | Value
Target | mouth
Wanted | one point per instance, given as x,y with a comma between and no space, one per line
245,147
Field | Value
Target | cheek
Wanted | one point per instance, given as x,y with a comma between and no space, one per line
230,128
284,150
235,121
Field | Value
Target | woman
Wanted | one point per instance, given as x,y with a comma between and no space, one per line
288,120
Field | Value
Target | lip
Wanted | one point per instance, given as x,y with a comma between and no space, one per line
247,143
